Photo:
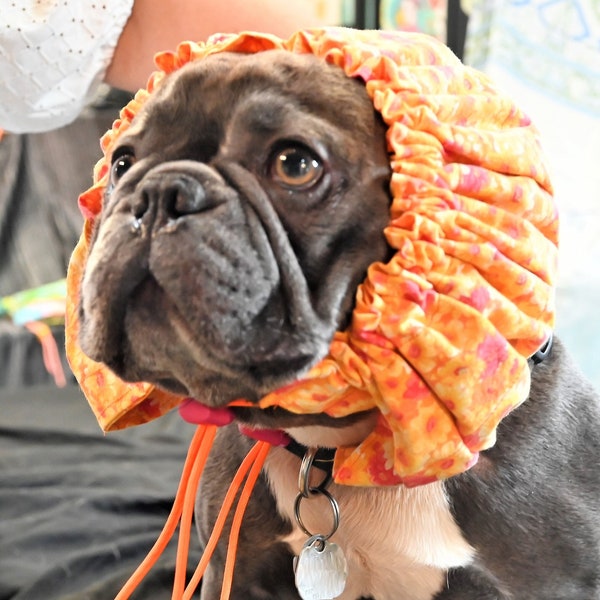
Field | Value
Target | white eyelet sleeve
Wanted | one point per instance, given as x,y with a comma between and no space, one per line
53,55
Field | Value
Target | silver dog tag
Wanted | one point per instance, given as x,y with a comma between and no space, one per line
320,569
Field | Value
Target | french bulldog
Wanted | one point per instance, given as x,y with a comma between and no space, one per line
233,236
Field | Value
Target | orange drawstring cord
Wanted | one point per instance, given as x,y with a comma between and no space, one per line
255,460
182,514
187,515
203,432
263,450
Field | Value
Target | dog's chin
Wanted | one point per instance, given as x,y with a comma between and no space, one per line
152,341
200,375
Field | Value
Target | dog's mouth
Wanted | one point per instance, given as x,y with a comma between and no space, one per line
157,339
281,427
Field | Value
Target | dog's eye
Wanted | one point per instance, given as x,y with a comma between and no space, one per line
121,164
296,168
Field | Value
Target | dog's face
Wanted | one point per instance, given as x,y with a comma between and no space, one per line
246,202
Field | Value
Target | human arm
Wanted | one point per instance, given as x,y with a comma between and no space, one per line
155,26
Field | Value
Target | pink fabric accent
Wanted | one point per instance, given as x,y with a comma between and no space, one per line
199,414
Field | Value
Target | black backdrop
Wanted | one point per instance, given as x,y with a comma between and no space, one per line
80,509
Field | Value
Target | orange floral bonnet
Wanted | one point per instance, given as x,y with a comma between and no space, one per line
440,334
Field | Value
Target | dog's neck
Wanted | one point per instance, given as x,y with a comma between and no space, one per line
323,458
327,439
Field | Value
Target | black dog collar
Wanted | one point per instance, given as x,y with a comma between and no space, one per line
544,352
323,459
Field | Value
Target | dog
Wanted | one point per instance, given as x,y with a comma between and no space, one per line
232,239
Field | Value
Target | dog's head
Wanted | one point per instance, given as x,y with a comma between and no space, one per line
245,203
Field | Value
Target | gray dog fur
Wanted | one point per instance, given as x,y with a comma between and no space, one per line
217,272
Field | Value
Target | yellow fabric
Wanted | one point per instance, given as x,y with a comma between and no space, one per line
440,334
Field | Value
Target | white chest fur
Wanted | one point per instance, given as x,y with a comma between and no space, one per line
398,542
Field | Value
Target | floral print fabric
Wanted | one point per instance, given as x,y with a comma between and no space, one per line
440,334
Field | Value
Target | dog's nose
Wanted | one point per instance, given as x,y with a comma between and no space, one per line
174,195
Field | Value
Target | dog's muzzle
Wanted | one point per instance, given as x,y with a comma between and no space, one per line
191,274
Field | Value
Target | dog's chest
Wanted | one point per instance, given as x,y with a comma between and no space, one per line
398,542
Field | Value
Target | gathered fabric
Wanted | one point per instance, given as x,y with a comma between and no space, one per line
440,334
